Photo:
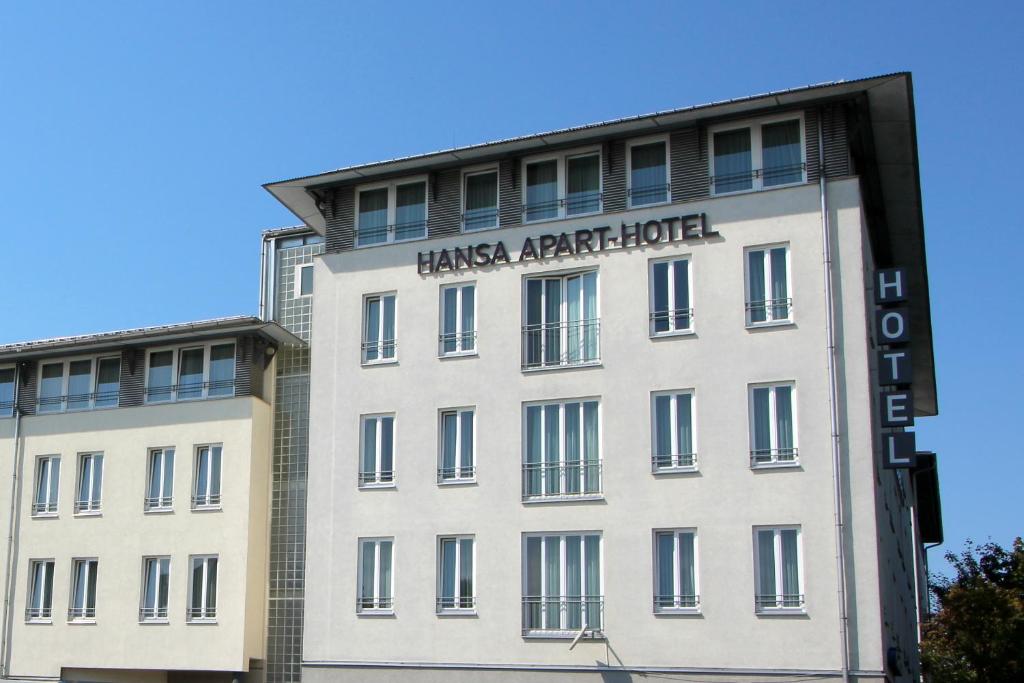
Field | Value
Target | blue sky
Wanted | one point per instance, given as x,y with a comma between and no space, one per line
134,138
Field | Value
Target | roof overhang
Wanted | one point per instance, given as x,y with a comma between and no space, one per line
197,331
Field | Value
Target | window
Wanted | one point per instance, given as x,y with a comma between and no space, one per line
457,446
206,493
90,482
377,462
673,432
648,173
379,329
202,602
206,371
83,590
675,571
480,210
455,575
562,326
670,297
768,299
156,574
772,429
40,591
562,455
458,320
375,575
160,487
6,392
777,561
562,592
391,213
303,280
563,186
79,384
776,145
47,485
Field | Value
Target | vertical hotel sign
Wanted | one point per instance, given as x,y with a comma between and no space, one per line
895,370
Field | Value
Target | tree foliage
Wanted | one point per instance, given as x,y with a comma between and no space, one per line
977,635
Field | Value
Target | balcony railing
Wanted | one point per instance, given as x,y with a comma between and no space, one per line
673,461
649,194
675,320
381,234
376,478
566,479
769,310
758,178
202,500
366,604
557,615
773,456
764,603
78,613
381,351
46,508
92,505
664,603
574,204
456,342
187,391
446,475
152,613
166,502
480,219
6,408
462,602
200,613
89,401
561,344
33,613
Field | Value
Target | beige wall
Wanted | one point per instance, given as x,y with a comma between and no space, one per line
723,501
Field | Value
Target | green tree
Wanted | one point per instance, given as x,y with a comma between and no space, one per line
977,635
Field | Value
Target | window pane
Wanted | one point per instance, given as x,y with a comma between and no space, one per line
305,280
592,575
733,169
468,318
552,321
168,473
663,430
574,582
449,436
215,452
387,441
780,293
481,201
542,190
160,379
766,566
108,382
373,216
784,421
203,474
450,339
466,438
647,183
681,291
659,285
222,370
97,478
211,584
90,592
54,481
552,578
687,573
533,450
385,573
164,580
367,573
51,387
369,460
684,425
583,182
155,473
190,373
388,331
532,609
466,571
666,573
591,449
79,384
371,345
197,585
7,391
781,157
552,452
756,304
411,211
448,572
790,568
762,422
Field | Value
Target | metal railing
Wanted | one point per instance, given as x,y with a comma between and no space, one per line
768,177
769,456
649,194
769,310
456,342
573,205
38,613
87,401
564,479
92,505
673,460
480,219
673,320
563,614
395,232
374,603
780,601
6,408
200,613
200,500
461,602
190,391
379,351
381,477
164,502
152,613
75,613
561,344
450,474
44,508
670,602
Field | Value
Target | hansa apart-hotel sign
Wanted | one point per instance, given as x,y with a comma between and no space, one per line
895,370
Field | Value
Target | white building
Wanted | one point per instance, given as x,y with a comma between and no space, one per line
604,402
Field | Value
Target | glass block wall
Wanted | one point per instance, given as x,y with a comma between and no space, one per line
290,456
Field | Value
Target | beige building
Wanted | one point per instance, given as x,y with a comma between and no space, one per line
604,403
139,465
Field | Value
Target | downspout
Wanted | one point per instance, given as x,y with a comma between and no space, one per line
5,655
263,278
833,389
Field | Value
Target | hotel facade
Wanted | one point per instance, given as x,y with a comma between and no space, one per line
625,399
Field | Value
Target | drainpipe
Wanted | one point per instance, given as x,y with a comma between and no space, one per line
833,388
5,655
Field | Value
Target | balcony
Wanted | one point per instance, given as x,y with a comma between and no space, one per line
563,617
574,479
190,391
649,194
787,601
761,457
480,219
575,204
382,234
6,408
561,344
69,402
758,179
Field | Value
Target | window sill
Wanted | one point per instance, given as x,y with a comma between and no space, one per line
776,465
202,622
46,515
681,469
535,500
689,332
557,368
373,363
370,487
160,511
81,622
456,612
369,613
154,622
89,513
630,205
205,508
39,621
678,612
472,231
781,612
457,482
562,635
458,354
788,322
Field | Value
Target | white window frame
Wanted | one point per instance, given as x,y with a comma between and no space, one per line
380,343
172,392
672,331
460,337
679,462
481,170
297,284
207,500
377,608
379,479
62,404
160,503
43,613
676,608
154,617
773,426
50,485
770,320
563,494
463,604
777,550
461,477
94,504
756,150
206,615
562,593
81,615
9,411
563,320
640,142
562,182
392,188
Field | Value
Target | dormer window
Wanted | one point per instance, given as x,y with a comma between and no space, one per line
562,186
757,156
392,212
191,372
78,384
